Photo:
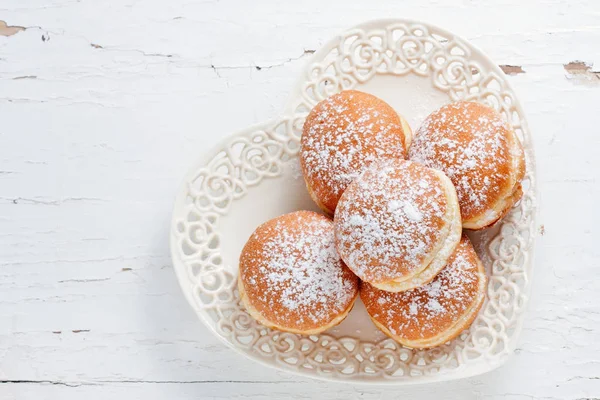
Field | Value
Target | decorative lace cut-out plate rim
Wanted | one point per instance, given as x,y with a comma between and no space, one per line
179,203
484,365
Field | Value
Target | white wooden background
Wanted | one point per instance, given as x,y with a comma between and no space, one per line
105,104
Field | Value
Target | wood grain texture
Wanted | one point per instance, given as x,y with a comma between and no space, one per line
105,105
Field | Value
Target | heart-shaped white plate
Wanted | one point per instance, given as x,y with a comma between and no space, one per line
254,175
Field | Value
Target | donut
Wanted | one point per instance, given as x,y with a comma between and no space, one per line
291,276
433,314
397,224
342,136
480,153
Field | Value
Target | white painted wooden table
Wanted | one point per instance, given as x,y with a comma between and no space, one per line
104,105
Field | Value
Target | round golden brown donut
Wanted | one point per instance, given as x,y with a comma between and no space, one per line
480,153
342,136
433,314
291,276
397,224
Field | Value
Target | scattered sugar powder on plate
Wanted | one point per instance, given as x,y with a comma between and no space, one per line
294,169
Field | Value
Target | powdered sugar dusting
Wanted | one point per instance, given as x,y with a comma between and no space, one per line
426,311
469,143
294,168
342,136
295,273
390,219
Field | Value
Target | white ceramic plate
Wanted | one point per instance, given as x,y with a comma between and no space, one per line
254,176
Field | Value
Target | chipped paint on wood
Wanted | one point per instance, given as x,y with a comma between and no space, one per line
6,30
512,69
582,71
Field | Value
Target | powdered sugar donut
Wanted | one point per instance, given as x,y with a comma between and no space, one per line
433,314
291,276
480,153
397,224
342,136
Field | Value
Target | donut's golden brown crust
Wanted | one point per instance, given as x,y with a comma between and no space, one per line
397,224
480,153
286,328
291,276
342,136
436,313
